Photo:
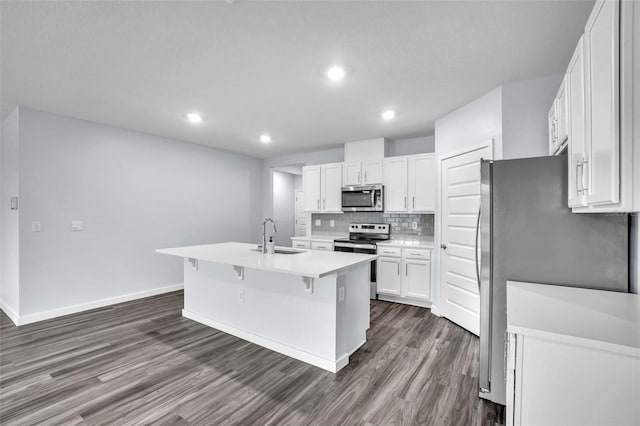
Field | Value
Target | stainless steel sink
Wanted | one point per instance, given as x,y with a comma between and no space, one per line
282,251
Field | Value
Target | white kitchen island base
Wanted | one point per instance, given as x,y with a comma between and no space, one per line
319,319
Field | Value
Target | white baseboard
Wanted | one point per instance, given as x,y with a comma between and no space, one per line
67,310
404,300
13,316
435,311
332,366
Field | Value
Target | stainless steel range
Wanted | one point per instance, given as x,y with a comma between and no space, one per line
362,239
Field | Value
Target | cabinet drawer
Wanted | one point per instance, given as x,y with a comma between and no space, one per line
315,245
420,254
301,244
390,251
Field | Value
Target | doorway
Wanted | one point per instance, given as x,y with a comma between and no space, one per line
286,189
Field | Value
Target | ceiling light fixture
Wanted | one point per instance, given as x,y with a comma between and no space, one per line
389,114
194,118
265,138
335,73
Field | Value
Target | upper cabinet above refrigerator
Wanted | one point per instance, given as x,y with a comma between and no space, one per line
603,132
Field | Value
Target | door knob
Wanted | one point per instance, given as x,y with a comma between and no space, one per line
443,246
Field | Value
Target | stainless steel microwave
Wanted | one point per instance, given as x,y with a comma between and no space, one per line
368,198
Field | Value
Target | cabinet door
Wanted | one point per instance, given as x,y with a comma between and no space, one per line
422,183
331,177
395,181
311,186
551,119
601,39
373,172
388,276
417,278
561,115
576,125
352,173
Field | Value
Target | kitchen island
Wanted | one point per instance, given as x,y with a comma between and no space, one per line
309,305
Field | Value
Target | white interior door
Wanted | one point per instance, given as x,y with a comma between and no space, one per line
460,201
301,216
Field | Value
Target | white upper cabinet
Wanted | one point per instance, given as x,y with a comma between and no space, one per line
602,111
422,183
373,172
331,187
601,167
396,184
576,119
322,188
558,125
352,173
311,186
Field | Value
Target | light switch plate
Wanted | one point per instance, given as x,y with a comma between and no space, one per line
77,225
318,222
35,226
14,203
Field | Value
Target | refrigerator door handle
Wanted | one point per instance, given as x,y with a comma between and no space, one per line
476,251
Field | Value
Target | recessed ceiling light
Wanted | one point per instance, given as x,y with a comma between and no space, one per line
389,114
194,118
265,138
335,73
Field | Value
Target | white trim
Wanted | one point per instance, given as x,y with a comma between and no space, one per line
405,300
468,149
13,316
332,366
67,310
435,311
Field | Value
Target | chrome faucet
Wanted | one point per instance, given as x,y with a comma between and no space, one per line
264,232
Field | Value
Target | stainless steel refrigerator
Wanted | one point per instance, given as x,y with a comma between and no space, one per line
528,233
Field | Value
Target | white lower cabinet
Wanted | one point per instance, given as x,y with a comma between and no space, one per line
404,275
388,276
560,383
301,244
321,245
312,244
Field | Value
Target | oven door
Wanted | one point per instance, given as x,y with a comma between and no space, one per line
356,248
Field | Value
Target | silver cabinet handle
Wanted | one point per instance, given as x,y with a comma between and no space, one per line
365,176
414,201
318,204
324,204
398,268
405,201
584,187
443,246
406,269
579,167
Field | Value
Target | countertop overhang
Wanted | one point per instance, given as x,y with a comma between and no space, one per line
309,263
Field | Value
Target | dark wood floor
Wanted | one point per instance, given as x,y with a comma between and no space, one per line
142,363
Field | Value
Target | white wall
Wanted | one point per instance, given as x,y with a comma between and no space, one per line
283,206
471,125
411,146
135,193
524,116
9,219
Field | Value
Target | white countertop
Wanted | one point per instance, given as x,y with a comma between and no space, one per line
309,263
408,242
603,319
323,238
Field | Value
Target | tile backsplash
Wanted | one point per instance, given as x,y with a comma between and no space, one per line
402,224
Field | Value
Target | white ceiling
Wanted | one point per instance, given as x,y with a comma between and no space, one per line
253,67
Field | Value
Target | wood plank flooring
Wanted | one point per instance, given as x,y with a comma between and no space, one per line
140,362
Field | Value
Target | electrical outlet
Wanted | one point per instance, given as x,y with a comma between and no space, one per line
77,225
332,223
318,222
241,296
35,226
414,225
340,294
